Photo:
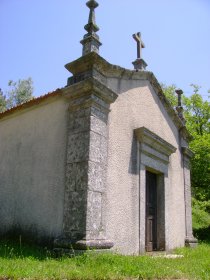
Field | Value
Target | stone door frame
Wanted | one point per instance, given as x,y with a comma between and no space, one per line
153,156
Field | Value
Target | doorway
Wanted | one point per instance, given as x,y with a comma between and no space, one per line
151,212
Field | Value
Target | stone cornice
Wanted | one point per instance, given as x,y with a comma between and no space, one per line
152,140
88,87
187,152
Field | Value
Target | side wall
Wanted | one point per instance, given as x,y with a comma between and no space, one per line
32,169
137,106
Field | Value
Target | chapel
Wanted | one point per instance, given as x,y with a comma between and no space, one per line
102,163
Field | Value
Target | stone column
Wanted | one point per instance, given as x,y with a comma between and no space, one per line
84,212
190,241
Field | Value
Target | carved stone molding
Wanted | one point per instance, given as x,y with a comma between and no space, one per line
153,145
187,152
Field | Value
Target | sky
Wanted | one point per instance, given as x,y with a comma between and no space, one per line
38,37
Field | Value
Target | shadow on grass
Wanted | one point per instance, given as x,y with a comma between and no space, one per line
20,248
202,234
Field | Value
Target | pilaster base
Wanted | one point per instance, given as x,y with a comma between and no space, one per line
82,245
61,252
191,242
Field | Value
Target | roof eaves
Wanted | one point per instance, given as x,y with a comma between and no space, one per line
30,103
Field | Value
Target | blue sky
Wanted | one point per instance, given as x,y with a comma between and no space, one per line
38,37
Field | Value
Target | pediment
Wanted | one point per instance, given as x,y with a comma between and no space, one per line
93,65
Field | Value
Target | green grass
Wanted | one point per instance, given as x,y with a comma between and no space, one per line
18,261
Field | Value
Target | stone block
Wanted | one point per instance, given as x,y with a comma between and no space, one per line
75,211
103,150
95,147
94,214
98,126
78,147
77,125
100,114
77,176
96,177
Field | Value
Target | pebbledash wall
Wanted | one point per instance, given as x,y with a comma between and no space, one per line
73,162
139,106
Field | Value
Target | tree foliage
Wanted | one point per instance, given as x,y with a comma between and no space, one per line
169,92
19,92
197,113
3,102
201,167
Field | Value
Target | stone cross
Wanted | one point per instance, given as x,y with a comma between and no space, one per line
139,63
140,44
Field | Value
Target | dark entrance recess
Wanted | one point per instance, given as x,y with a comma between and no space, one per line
151,212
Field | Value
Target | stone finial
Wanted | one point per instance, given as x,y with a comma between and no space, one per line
91,42
139,63
179,107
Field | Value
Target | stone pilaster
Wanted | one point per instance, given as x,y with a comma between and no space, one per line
84,211
190,241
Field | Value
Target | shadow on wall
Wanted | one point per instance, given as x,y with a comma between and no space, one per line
133,169
29,236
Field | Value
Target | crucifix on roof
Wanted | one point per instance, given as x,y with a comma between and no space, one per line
140,43
139,63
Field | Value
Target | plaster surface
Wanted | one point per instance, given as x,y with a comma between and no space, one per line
32,169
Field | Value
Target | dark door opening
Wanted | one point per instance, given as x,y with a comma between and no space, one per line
151,212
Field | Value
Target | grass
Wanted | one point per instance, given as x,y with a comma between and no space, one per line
22,261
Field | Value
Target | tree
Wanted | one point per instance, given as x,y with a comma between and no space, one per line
169,92
197,113
201,167
20,92
3,102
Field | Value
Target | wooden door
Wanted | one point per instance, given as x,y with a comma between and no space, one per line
151,211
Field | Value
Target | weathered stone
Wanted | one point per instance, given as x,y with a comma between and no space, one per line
96,177
77,176
100,114
191,242
99,126
94,214
75,212
93,244
81,124
95,147
78,147
89,103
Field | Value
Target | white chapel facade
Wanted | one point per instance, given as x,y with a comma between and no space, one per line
102,163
